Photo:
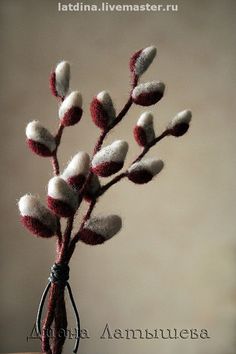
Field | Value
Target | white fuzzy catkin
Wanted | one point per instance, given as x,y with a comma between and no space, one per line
62,78
106,226
105,99
30,205
148,87
60,190
115,152
79,165
150,164
181,117
144,60
36,132
145,121
73,100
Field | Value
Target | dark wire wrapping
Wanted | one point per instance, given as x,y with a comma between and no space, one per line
59,275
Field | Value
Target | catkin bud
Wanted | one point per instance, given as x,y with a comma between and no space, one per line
70,111
76,171
36,217
60,79
141,60
102,110
39,139
92,188
143,171
180,123
97,230
149,93
110,159
62,198
143,131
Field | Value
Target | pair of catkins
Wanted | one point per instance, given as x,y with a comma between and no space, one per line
80,179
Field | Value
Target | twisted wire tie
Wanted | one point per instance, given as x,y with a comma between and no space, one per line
60,276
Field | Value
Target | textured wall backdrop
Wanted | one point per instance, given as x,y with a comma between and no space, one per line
173,265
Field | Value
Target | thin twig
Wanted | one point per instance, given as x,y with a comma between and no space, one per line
85,218
108,185
56,172
66,239
152,143
98,146
115,180
55,162
124,174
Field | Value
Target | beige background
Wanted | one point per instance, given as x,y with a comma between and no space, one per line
173,264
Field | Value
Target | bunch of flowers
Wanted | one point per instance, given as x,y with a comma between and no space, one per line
81,179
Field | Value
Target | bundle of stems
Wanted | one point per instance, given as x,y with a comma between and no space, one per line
80,181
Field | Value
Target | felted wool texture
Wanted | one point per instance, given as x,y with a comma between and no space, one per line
36,227
92,188
179,125
148,93
59,189
115,152
62,78
105,99
70,111
77,168
133,60
52,83
36,132
144,132
110,159
99,229
144,60
31,206
150,164
143,171
39,148
102,110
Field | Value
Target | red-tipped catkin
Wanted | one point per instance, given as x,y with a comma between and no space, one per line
92,188
39,139
76,171
102,110
97,230
110,159
60,79
70,111
149,93
62,198
141,60
143,171
36,217
143,131
180,123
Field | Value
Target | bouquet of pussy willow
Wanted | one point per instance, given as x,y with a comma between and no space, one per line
81,180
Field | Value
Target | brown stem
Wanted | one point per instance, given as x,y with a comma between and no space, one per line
76,236
115,180
55,165
53,297
49,320
122,175
66,241
56,304
55,162
97,147
122,113
58,232
152,143
59,134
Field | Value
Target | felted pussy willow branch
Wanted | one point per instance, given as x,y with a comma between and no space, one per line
81,180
